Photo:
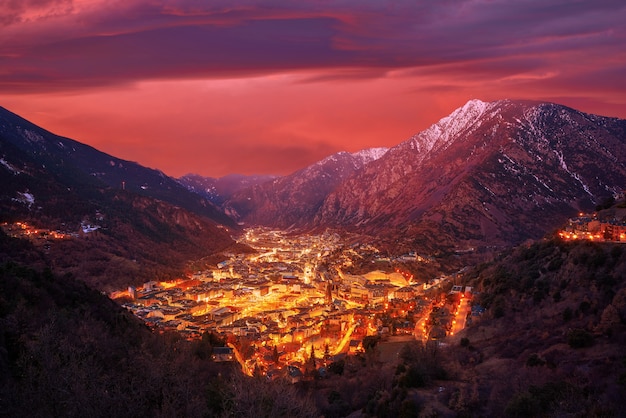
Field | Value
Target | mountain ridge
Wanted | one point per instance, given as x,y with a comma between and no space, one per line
292,200
480,150
113,234
75,160
461,182
220,189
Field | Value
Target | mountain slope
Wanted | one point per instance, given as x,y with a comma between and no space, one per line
293,200
551,342
111,236
490,173
218,190
80,165
67,350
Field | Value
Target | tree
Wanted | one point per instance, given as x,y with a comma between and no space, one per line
312,358
254,397
275,355
579,338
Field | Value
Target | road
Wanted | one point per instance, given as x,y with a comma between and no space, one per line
461,316
240,360
345,340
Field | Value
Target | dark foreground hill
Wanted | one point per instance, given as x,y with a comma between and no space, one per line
552,340
68,351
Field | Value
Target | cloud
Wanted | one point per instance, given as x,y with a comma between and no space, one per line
270,86
21,11
96,44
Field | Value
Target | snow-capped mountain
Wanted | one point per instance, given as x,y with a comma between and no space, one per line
489,173
368,155
293,200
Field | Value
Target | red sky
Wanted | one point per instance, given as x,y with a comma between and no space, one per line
225,86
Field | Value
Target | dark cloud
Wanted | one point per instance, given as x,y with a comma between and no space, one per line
353,39
253,47
19,11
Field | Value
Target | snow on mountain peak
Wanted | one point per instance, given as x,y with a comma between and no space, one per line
362,157
25,198
370,154
462,119
9,167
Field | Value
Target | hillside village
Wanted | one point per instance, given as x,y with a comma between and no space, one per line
599,227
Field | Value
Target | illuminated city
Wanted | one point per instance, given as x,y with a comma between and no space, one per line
294,300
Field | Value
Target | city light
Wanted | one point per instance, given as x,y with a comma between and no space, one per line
278,297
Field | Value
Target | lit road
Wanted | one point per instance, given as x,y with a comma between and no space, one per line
460,318
345,340
240,360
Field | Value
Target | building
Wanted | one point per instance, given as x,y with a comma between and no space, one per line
222,354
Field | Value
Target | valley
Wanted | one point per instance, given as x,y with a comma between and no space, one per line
462,272
312,209
296,298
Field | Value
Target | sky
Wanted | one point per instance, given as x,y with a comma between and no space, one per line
267,87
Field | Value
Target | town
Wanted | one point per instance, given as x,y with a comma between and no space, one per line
594,228
293,302
299,300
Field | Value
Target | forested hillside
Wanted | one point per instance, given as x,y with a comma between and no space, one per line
552,340
67,350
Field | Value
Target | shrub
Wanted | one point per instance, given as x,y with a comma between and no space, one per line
522,405
336,367
499,306
534,360
555,264
409,409
568,314
584,306
579,338
415,377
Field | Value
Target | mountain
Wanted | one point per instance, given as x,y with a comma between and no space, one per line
488,174
293,200
218,190
113,235
80,165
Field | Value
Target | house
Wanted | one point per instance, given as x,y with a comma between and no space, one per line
150,286
355,346
405,293
222,354
456,289
294,374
